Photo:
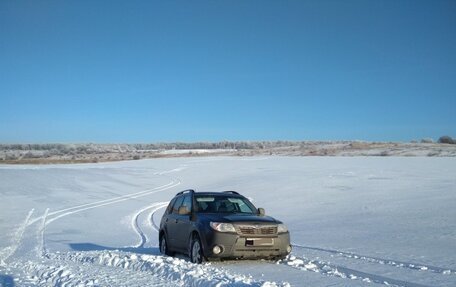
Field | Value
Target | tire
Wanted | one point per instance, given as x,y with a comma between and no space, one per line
277,258
164,246
196,251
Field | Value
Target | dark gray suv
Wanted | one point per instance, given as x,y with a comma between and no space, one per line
220,225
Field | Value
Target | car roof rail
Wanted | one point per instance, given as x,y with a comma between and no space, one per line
231,191
185,191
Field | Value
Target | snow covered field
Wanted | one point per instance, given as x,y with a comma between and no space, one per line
354,221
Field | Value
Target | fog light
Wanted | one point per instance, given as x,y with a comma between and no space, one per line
289,248
217,249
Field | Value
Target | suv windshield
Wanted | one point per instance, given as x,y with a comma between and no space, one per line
223,204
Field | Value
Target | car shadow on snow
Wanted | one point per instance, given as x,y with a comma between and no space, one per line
6,281
96,247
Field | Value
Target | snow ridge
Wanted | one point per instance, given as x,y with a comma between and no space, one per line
76,269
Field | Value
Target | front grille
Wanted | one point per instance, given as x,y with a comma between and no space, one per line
257,230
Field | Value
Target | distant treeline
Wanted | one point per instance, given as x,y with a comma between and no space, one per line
91,147
225,145
90,152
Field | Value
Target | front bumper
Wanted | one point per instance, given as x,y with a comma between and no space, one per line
233,245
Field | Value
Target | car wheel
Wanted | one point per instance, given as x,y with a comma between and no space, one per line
196,250
164,246
278,258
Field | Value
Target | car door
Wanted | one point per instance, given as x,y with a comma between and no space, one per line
183,224
171,224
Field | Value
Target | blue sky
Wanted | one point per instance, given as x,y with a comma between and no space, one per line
149,71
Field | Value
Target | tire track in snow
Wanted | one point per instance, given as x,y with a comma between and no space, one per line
173,183
333,270
177,169
111,202
395,263
42,234
17,238
79,208
40,247
135,222
153,224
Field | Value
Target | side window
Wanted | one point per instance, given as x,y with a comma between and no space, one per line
187,202
177,203
169,209
244,208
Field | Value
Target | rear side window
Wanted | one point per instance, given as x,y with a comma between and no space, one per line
169,209
177,203
187,202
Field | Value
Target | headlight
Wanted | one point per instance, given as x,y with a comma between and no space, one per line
223,227
282,228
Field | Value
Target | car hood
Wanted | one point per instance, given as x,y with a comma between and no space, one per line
234,218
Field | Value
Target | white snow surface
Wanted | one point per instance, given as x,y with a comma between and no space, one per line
354,221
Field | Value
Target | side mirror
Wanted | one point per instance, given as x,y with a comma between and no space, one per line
183,210
261,211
